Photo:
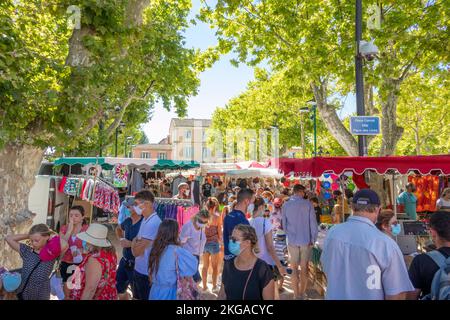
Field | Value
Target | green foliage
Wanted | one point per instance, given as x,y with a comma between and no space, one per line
46,102
311,43
274,101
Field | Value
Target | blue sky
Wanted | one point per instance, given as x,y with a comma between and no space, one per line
218,84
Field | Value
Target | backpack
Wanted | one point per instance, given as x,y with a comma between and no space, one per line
440,287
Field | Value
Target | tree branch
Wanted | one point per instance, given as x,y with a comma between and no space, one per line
123,109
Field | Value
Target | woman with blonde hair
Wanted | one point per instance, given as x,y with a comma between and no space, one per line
211,253
38,260
246,277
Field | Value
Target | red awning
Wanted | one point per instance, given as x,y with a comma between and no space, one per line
315,167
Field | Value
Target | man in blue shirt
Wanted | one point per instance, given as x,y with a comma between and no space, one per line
409,200
361,262
126,232
299,222
244,203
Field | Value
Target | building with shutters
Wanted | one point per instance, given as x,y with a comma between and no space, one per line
161,150
187,140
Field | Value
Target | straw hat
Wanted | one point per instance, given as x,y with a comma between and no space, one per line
96,235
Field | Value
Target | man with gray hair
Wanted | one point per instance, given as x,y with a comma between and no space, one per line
361,262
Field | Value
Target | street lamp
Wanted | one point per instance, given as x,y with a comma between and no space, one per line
121,125
126,142
359,76
313,107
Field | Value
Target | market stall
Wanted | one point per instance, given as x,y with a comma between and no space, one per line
429,173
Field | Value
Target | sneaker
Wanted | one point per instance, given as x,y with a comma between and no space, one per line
215,290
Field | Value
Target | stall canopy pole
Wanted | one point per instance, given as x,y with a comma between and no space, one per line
394,198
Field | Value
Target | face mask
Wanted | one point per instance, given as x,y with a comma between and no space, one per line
251,207
234,247
138,210
186,193
200,223
266,201
396,229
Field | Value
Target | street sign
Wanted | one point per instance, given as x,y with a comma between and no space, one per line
365,126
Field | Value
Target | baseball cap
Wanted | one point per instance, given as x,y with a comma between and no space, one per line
11,281
129,202
51,250
366,196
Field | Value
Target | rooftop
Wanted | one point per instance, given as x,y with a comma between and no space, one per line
179,122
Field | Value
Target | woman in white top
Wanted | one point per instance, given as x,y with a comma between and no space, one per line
193,237
443,203
267,252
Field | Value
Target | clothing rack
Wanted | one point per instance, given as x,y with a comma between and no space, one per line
178,202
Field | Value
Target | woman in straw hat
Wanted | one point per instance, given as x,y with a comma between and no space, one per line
95,277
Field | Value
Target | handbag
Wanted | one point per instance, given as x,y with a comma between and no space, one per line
20,294
186,286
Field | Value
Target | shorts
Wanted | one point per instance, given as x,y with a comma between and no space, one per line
124,275
141,286
197,277
276,273
64,270
299,255
212,248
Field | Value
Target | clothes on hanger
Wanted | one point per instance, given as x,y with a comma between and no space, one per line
195,191
98,192
136,183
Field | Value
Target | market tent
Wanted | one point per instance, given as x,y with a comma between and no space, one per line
253,173
107,163
217,168
249,164
315,167
175,165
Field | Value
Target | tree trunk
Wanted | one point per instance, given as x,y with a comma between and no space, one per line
376,183
417,138
18,166
332,121
391,132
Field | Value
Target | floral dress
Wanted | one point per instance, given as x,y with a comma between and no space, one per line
106,289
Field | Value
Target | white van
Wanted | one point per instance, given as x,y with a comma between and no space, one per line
49,205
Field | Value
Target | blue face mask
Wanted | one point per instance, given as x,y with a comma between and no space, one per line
266,200
234,247
396,229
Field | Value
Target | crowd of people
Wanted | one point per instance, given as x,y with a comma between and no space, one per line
250,236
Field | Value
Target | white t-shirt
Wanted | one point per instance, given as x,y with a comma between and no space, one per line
148,230
263,227
443,204
193,240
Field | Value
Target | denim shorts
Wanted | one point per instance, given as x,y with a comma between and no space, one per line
212,248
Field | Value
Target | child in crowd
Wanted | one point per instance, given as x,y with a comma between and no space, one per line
9,282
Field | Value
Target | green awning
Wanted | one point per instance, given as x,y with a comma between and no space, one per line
83,161
175,165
